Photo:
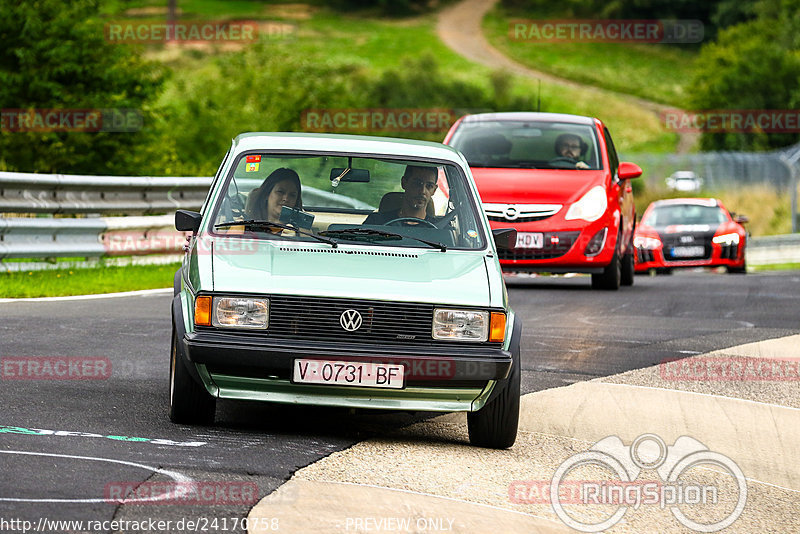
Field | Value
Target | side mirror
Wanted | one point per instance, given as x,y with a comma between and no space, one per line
187,221
505,238
628,170
742,219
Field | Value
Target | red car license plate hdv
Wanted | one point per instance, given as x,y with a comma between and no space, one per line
530,240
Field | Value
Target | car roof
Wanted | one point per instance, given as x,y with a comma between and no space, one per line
709,202
529,116
352,144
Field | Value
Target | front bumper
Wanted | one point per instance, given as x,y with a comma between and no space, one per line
564,246
721,256
438,378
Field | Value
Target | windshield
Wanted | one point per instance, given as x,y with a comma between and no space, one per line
527,144
349,200
684,214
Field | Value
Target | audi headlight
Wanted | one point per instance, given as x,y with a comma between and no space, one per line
590,207
647,243
239,312
460,325
726,239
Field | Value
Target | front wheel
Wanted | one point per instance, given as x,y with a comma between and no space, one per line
495,425
611,277
189,402
628,270
738,270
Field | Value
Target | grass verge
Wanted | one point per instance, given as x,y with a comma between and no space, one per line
774,267
655,72
66,282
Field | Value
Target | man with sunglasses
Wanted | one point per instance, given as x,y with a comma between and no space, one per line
572,147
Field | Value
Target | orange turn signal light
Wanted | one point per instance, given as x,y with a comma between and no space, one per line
497,327
202,311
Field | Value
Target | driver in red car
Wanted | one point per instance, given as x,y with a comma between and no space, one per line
571,146
419,184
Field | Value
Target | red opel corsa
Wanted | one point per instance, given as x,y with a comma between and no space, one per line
557,180
690,232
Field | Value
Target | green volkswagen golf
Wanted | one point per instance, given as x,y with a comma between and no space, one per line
350,271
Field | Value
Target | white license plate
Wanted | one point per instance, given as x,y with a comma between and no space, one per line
685,252
530,240
364,374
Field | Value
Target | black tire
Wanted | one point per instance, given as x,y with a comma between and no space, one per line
611,277
189,402
738,270
495,425
628,270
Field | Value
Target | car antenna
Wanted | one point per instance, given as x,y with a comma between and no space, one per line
539,97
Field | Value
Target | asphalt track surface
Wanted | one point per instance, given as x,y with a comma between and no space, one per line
60,452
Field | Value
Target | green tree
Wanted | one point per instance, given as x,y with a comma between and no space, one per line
54,56
753,65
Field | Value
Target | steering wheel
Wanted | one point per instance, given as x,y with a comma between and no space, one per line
564,159
405,221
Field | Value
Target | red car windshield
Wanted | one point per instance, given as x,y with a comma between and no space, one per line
684,214
527,144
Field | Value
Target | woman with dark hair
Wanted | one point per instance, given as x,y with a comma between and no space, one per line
281,188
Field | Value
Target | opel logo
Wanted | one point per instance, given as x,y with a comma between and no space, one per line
511,213
350,320
687,239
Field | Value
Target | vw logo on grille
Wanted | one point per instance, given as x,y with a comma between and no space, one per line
511,213
350,320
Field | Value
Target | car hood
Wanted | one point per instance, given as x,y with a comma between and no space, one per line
370,272
534,186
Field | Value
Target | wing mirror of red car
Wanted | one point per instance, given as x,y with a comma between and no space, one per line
505,238
628,170
741,219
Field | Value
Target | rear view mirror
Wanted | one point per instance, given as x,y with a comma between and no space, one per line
628,170
742,219
505,238
187,221
340,174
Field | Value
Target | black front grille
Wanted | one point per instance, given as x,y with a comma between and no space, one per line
521,218
313,318
551,248
699,239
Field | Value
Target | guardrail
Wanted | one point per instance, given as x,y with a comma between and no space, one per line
95,237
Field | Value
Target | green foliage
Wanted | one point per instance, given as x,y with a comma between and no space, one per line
54,56
753,65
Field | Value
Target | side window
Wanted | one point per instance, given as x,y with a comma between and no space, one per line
613,159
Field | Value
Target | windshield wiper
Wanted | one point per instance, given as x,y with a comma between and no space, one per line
381,233
270,224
